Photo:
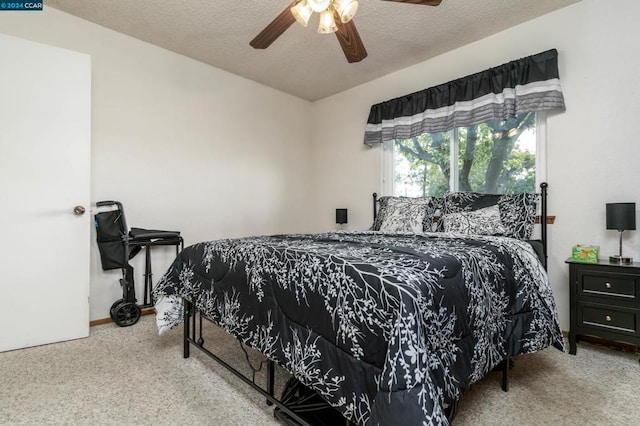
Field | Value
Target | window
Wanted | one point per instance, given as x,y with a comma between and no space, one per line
494,157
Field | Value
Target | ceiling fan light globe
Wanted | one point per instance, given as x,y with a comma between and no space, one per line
327,23
346,9
302,12
319,6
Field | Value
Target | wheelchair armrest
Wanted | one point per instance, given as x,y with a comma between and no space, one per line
152,234
109,203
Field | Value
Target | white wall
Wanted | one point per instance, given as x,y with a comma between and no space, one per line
168,138
592,148
184,146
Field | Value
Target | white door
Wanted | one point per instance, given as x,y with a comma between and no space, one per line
45,118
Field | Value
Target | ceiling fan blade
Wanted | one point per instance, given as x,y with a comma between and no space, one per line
423,2
350,41
275,29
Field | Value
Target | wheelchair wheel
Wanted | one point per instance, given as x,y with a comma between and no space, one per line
112,311
126,314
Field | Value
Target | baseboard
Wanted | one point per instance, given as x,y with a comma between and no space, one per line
146,311
621,346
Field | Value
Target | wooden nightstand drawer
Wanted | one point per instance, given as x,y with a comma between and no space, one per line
610,318
617,285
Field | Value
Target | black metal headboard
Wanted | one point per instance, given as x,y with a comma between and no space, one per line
543,219
375,205
543,216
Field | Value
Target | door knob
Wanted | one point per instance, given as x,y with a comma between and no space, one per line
78,210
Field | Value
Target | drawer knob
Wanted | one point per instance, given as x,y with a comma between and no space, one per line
607,285
607,318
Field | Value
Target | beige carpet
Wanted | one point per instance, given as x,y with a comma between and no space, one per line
131,376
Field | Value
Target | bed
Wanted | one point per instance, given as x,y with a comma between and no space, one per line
388,325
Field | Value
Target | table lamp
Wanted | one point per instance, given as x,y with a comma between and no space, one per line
341,216
621,216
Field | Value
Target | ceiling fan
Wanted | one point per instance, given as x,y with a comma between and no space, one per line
336,16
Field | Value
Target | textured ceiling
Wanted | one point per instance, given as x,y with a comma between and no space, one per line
302,62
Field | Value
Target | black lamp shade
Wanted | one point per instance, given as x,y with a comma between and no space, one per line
341,216
621,216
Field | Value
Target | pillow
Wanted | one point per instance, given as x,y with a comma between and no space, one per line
433,217
382,207
485,221
456,202
402,214
518,214
517,211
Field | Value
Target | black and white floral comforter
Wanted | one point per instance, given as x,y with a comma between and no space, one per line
388,328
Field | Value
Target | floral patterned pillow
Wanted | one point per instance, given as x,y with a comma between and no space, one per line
517,211
518,214
382,207
433,218
485,221
403,214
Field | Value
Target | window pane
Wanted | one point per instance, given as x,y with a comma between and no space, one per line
422,165
498,157
494,157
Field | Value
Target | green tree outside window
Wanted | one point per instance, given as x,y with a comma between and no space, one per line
494,157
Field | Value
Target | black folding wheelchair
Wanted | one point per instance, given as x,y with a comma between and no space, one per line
118,245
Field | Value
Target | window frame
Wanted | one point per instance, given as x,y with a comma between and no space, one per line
387,162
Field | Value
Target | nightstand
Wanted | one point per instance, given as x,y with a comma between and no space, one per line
605,302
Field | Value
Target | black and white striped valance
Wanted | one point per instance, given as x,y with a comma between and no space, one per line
528,84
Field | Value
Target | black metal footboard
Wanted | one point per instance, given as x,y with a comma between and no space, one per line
193,336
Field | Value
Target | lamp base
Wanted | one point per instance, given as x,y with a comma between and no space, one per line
622,260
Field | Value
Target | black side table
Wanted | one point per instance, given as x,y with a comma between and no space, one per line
605,301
